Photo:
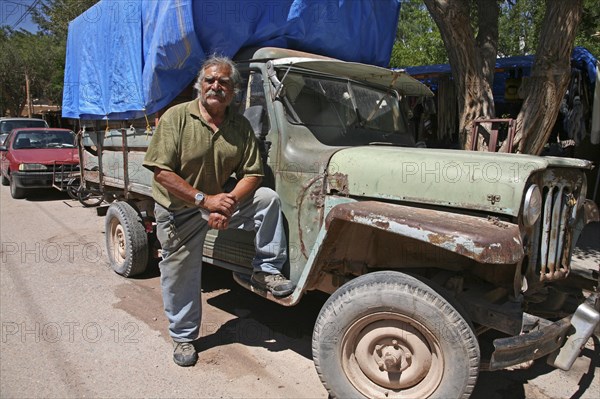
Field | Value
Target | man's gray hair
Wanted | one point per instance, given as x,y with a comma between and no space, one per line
217,60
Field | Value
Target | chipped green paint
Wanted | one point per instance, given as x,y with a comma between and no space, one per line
461,179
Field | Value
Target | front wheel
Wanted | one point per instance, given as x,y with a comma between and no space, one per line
126,239
15,191
73,186
388,334
90,196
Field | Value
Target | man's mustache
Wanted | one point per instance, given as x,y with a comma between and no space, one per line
218,93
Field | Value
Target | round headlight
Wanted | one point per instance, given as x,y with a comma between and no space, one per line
532,208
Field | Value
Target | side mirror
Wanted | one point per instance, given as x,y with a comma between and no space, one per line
3,148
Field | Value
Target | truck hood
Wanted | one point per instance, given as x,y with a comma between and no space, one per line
488,182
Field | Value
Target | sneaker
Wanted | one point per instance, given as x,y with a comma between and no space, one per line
185,354
278,285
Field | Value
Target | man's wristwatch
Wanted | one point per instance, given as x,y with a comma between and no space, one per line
199,198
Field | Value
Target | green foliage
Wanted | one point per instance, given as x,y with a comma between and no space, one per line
519,27
521,22
53,16
9,86
40,56
588,34
418,40
24,54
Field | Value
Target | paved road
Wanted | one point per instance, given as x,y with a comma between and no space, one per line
73,328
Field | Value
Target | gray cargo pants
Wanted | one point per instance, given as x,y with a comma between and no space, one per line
181,235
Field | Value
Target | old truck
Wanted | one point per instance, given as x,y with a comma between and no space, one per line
422,250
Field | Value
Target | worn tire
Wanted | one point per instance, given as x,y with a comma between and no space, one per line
17,192
126,239
73,186
90,197
374,320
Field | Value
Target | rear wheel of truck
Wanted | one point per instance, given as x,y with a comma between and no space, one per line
388,334
126,239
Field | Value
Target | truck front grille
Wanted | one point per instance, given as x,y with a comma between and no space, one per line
555,230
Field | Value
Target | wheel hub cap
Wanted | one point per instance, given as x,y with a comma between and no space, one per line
391,355
118,242
392,358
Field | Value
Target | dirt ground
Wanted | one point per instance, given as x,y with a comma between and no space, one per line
73,328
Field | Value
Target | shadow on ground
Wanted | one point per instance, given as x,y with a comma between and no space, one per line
45,195
259,322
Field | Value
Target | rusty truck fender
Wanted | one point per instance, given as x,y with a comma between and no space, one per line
484,240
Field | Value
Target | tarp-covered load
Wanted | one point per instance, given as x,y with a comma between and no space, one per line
127,59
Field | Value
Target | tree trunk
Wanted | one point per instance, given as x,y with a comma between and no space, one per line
472,62
487,38
550,76
28,96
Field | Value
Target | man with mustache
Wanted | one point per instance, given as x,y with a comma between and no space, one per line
195,149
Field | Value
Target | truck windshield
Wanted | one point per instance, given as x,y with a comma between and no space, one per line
343,112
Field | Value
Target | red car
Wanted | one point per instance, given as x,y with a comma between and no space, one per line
37,158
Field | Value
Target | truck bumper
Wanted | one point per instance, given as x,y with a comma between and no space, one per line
563,340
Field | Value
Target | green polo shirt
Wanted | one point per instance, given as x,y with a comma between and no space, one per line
184,143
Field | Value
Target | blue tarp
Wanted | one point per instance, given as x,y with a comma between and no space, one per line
507,67
130,58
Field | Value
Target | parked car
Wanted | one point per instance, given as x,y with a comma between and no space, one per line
37,158
8,124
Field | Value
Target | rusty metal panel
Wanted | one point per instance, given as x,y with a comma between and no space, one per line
521,348
483,240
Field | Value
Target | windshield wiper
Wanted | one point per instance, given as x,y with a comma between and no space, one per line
375,108
279,86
